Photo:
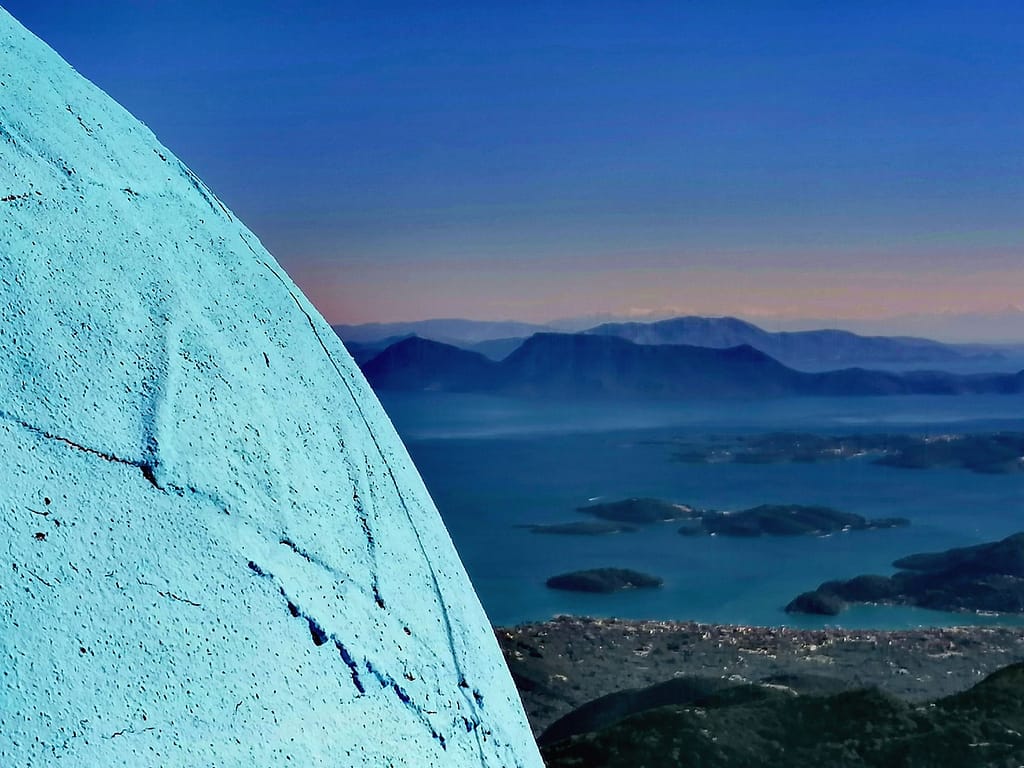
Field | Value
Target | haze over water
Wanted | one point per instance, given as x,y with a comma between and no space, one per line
492,464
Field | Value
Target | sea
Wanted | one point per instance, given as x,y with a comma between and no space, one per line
494,464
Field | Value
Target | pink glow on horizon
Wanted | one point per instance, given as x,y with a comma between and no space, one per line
535,295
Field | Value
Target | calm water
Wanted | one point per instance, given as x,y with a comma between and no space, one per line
492,464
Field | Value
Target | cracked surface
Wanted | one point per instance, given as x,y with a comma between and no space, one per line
143,466
218,551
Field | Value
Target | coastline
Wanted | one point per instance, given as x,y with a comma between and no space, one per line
562,663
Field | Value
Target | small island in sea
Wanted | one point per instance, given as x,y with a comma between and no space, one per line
988,453
985,577
784,520
603,580
765,519
639,511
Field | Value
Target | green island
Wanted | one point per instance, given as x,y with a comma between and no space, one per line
639,511
785,520
987,453
764,519
603,580
986,577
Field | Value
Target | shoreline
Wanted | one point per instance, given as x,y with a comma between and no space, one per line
562,663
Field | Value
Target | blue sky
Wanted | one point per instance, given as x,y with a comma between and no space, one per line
537,160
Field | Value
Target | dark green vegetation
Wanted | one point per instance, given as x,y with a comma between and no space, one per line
558,365
582,528
603,580
563,664
681,691
784,520
992,453
986,577
743,724
639,511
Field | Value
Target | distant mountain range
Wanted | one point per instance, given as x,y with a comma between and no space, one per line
449,330
817,348
590,365
1000,328
811,350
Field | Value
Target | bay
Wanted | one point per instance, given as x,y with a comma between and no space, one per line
493,464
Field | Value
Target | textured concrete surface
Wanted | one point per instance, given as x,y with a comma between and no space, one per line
215,549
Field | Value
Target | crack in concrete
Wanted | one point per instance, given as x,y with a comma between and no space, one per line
317,633
474,703
145,467
314,560
320,636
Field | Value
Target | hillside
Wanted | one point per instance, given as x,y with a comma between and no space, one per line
610,692
718,724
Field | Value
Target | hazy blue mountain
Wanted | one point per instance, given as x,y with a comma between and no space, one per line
580,365
805,349
453,331
817,347
497,349
364,351
1001,327
423,364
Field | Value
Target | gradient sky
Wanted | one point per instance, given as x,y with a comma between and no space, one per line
541,160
